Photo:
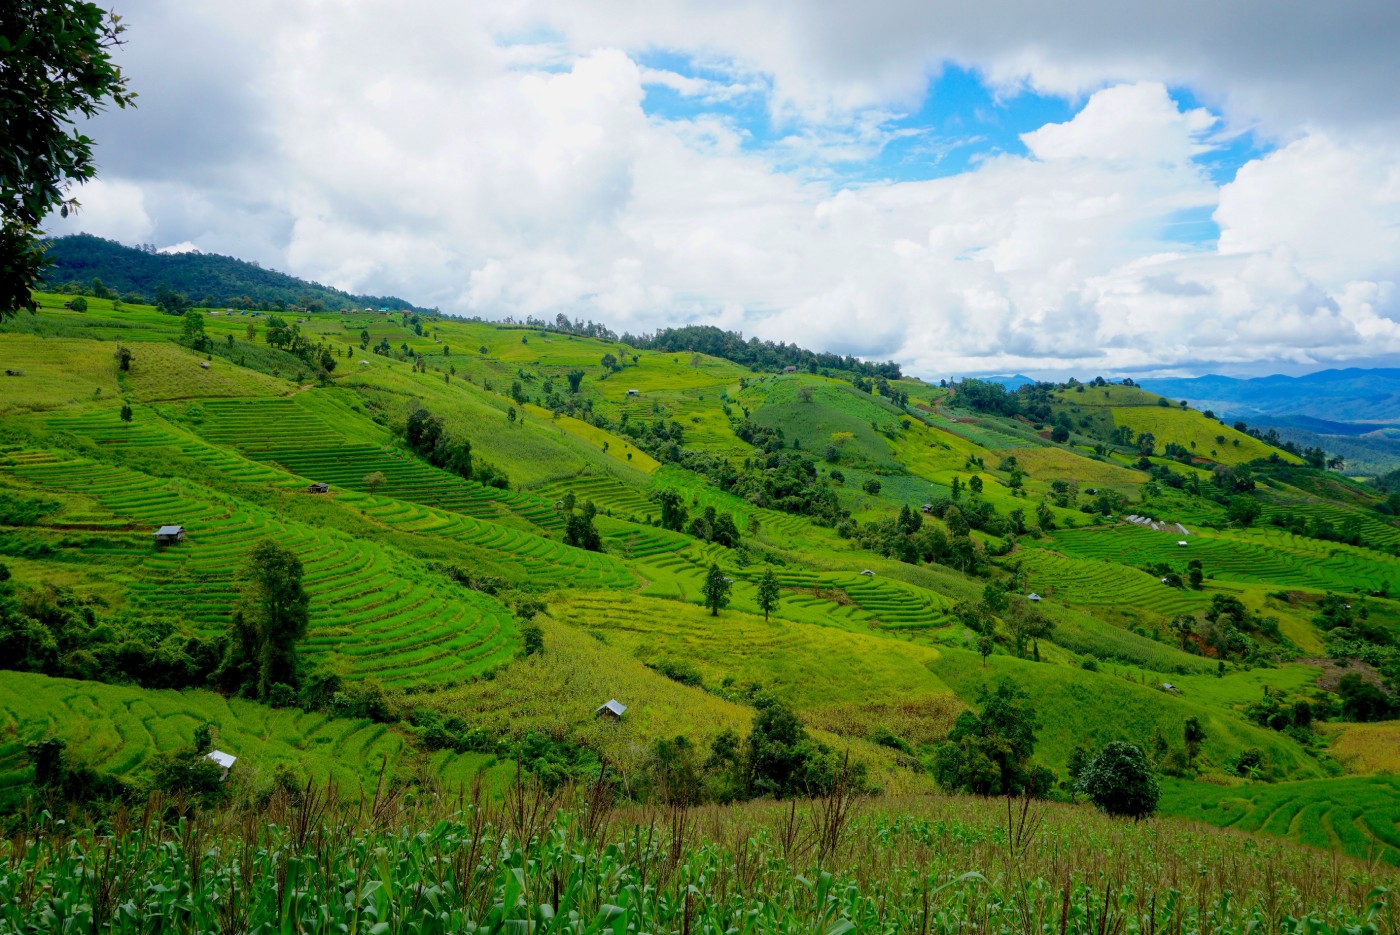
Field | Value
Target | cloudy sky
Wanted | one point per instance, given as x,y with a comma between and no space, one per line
1093,187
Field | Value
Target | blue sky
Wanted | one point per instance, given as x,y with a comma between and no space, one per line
960,121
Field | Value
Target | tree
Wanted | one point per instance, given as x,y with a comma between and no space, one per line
374,480
126,412
192,328
871,487
1362,700
986,645
1196,574
716,590
1194,735
533,639
1120,781
272,614
124,358
79,304
768,592
990,753
673,512
575,377
57,67
804,394
1244,511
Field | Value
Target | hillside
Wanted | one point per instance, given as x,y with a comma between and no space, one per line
135,275
521,524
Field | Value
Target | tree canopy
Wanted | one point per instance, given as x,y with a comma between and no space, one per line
56,68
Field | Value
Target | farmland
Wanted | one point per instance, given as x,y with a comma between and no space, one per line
904,543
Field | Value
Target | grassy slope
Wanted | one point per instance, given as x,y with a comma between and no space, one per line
232,448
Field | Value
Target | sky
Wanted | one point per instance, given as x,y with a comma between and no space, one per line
1091,187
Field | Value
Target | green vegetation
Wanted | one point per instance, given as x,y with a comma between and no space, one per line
828,583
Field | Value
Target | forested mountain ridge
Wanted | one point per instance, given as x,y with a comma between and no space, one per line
135,275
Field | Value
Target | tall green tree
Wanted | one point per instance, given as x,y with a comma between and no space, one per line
768,592
272,615
716,590
990,753
55,68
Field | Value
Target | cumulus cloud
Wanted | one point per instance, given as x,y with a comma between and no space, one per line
501,160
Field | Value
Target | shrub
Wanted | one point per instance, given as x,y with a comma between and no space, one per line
1120,781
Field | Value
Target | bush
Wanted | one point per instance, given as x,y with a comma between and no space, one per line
1120,781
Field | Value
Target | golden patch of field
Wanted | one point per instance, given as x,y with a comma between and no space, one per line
168,371
54,372
1205,437
796,661
1366,748
557,691
1052,464
618,448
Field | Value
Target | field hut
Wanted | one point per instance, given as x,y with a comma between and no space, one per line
1033,597
1181,543
613,710
204,364
166,535
319,487
926,508
14,373
868,573
633,393
222,759
789,369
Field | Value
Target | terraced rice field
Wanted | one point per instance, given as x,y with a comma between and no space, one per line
608,494
1096,582
120,730
1262,556
1359,816
375,612
545,561
847,600
1374,532
699,493
284,433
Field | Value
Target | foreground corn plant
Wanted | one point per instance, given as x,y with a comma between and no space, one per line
530,864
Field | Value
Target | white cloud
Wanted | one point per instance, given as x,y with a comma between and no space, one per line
109,208
497,159
184,246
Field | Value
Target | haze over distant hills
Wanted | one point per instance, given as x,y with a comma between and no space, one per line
1350,395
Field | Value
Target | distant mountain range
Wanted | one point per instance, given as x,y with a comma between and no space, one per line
207,278
1351,395
1354,413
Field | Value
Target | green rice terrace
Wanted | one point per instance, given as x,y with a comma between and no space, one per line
567,611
